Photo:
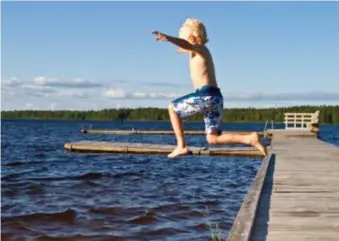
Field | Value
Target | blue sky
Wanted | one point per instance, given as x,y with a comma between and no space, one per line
94,55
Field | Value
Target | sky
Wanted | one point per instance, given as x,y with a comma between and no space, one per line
96,55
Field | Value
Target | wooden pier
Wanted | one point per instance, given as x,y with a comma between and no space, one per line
295,195
143,148
154,132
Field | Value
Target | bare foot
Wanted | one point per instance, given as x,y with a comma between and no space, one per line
254,141
179,152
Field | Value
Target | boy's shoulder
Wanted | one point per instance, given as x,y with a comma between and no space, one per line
201,49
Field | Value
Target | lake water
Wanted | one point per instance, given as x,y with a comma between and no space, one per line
48,193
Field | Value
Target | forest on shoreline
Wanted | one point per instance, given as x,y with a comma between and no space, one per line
328,114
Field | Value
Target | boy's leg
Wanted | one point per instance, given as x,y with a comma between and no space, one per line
179,109
178,129
213,119
230,138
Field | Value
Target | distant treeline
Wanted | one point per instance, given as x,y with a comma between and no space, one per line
328,114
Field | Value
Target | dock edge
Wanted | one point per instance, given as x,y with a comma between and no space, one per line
243,223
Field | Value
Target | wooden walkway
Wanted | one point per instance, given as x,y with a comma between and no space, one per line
300,196
144,148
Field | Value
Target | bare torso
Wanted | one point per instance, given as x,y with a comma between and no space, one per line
202,68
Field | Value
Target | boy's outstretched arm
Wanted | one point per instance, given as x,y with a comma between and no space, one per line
177,41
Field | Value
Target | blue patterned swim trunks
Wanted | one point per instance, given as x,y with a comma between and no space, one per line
207,100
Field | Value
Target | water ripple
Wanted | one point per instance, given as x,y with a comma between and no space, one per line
50,194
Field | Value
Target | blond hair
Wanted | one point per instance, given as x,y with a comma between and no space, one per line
193,30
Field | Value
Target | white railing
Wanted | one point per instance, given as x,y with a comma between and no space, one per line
301,120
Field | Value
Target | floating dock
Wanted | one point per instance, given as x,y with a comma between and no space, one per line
154,132
295,194
143,148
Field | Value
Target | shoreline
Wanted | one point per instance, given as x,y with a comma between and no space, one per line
106,120
141,121
328,115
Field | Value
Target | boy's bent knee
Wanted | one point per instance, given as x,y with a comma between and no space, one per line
212,139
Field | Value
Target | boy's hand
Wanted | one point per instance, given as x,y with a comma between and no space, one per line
160,36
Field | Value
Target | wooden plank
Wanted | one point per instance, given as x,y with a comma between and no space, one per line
301,199
243,224
154,132
144,148
299,113
291,133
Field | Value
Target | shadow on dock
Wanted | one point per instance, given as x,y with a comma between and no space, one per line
260,226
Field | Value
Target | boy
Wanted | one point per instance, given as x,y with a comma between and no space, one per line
207,98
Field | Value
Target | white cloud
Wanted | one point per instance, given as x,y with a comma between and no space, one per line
115,94
40,80
140,95
8,83
44,89
121,94
72,94
31,106
48,93
162,95
41,87
38,91
72,83
37,94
